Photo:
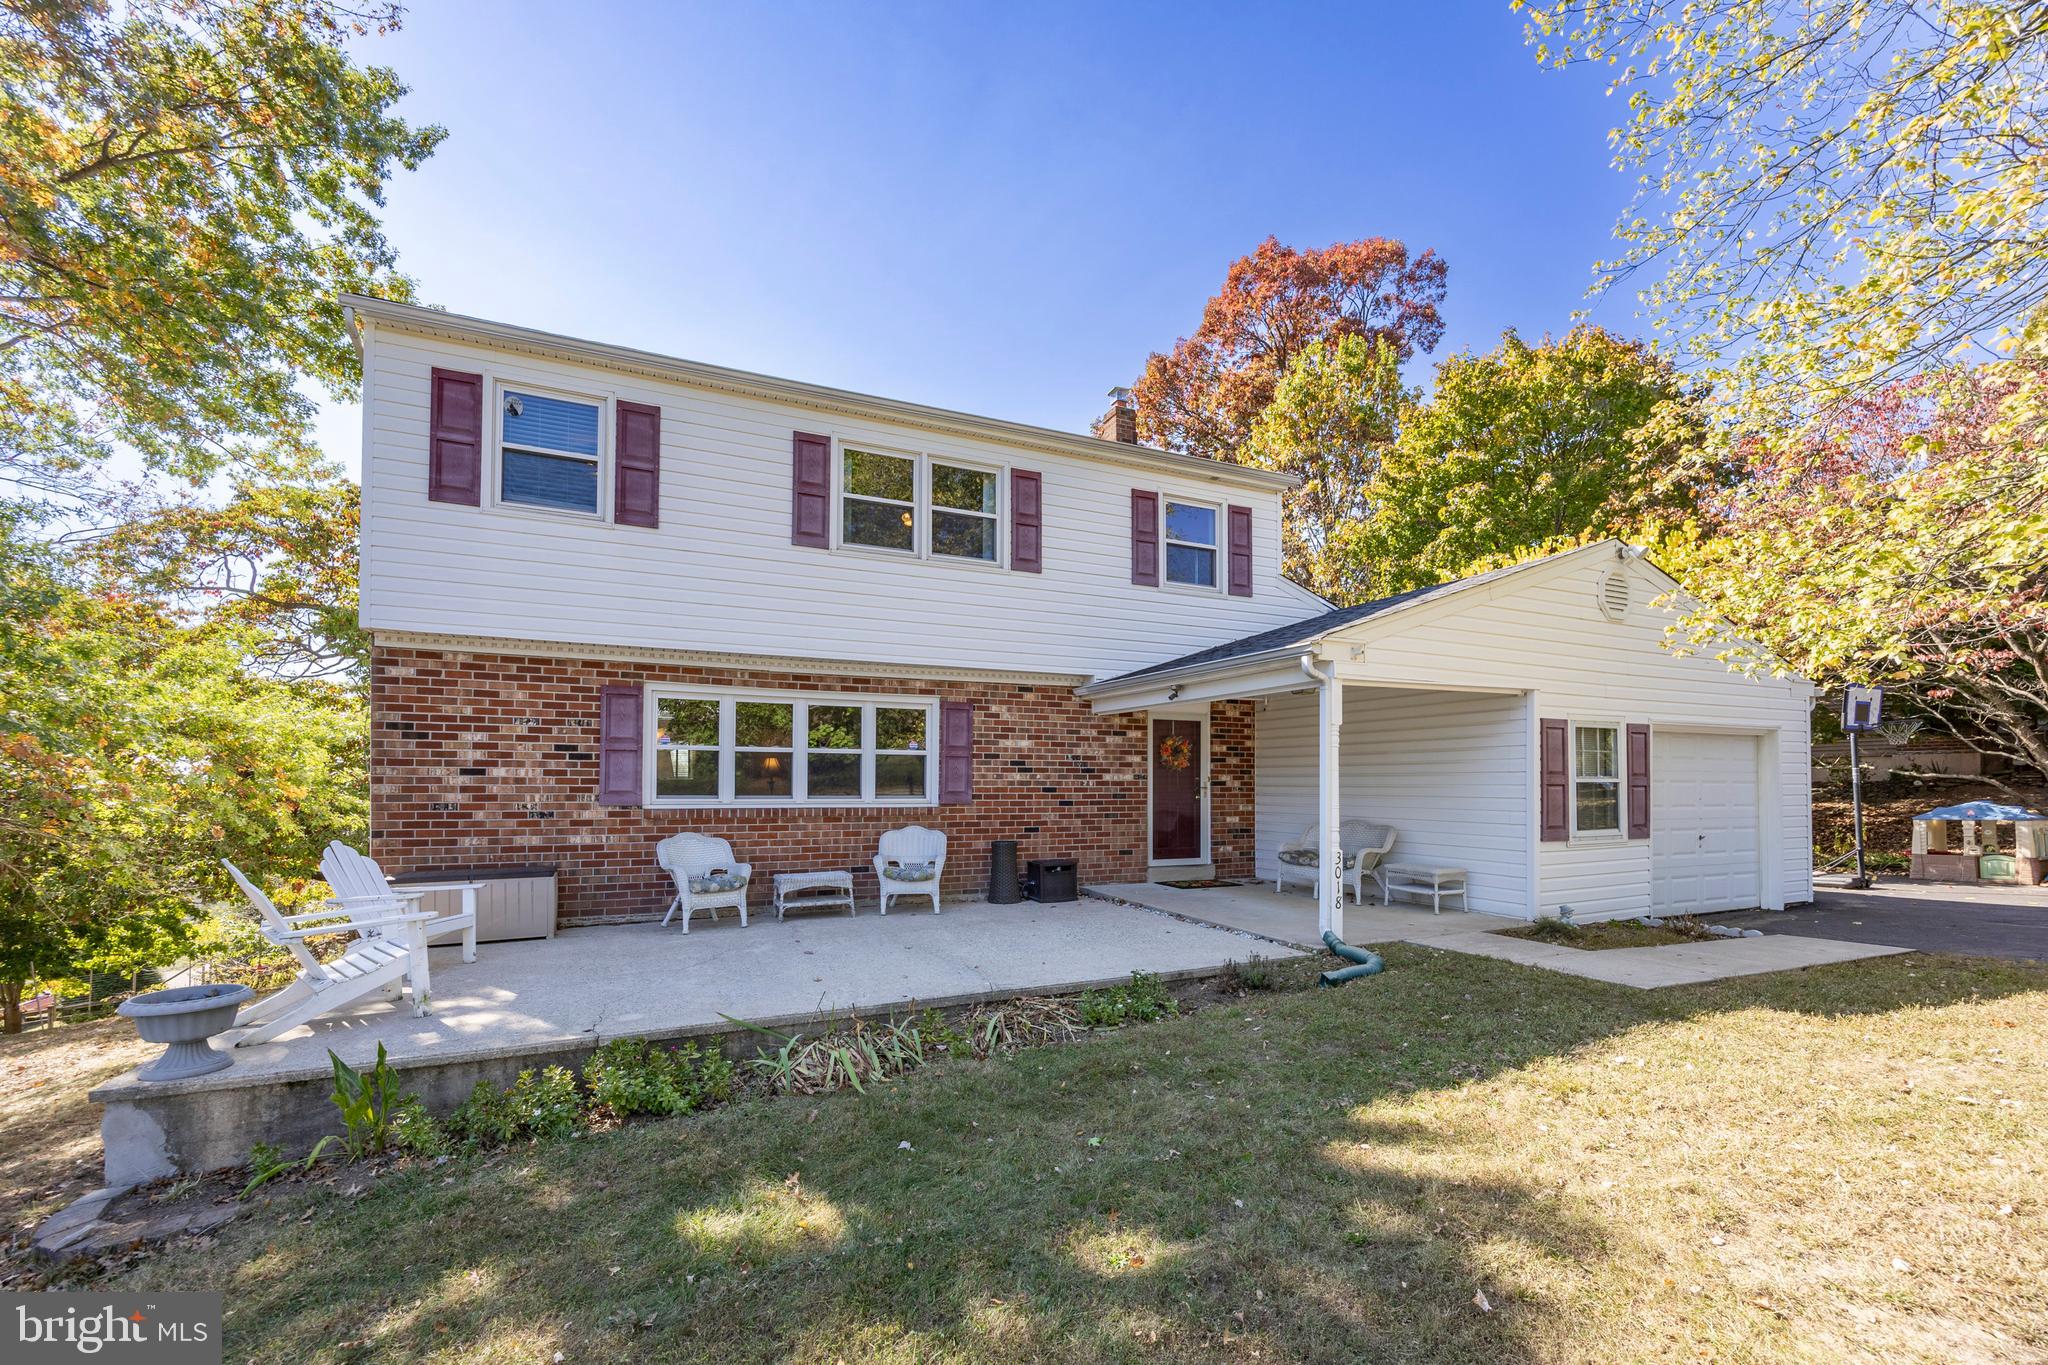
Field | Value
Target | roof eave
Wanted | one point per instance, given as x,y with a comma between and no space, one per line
459,326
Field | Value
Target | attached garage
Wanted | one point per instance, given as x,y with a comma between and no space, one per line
1530,734
1706,847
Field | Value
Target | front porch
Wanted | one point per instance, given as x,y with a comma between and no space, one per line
540,1002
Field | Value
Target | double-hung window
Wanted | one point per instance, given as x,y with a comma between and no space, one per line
1596,779
963,512
549,451
724,747
1191,544
878,508
918,505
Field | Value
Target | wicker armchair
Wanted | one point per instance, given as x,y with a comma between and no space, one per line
706,876
1363,844
910,862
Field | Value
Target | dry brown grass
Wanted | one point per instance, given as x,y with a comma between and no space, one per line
49,1132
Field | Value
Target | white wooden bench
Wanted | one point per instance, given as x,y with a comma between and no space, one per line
1425,879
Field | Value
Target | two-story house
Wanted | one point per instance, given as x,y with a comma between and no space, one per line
614,595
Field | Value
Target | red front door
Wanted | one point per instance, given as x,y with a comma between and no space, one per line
1176,789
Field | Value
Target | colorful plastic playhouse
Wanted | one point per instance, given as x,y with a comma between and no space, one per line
1981,841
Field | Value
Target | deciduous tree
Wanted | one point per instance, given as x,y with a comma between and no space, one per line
1528,448
185,185
1276,304
1904,542
1832,193
1333,416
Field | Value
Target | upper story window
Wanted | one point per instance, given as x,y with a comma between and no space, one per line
548,451
963,512
713,748
879,500
919,505
1596,779
1191,544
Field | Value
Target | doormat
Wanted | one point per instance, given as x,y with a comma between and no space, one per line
1199,884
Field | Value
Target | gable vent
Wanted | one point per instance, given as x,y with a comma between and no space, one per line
1614,595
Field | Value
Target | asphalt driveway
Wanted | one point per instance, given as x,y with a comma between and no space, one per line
1975,921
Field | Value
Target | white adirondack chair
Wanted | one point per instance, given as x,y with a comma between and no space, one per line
371,966
362,889
1363,844
909,862
706,875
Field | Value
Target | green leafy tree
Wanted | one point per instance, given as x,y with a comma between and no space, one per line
136,750
1831,193
1333,415
185,185
1531,448
1904,542
274,564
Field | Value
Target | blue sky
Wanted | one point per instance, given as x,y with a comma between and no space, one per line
997,209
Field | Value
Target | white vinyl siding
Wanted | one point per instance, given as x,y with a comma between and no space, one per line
1444,769
1543,631
720,575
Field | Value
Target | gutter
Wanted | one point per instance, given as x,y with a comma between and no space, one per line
432,322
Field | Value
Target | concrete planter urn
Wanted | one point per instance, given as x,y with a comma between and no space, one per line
184,1019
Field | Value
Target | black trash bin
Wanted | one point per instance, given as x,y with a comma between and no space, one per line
1052,880
1003,886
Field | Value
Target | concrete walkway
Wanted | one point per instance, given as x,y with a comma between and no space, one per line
1975,921
1291,919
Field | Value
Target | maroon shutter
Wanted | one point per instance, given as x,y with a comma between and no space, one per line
1557,780
618,745
636,487
1240,532
1027,522
1144,538
1638,781
810,513
455,437
956,753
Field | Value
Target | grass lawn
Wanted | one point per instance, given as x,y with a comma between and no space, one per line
1610,934
1843,1163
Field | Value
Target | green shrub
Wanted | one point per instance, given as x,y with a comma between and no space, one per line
940,1036
547,1103
415,1132
635,1076
1139,1001
485,1119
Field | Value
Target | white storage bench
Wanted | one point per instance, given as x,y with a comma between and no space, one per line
513,902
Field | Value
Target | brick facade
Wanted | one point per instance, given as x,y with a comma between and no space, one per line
1233,808
488,758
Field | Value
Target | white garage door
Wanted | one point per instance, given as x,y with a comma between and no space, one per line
1704,852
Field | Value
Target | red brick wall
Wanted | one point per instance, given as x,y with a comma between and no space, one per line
1233,807
479,759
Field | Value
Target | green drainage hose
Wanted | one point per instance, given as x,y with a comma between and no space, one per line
1369,963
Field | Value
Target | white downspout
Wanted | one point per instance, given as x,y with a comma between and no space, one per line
1329,728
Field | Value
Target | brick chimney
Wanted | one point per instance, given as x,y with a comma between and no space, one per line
1120,423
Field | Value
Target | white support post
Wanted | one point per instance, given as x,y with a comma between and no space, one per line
1329,800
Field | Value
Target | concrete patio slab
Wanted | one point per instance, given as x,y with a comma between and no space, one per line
531,1004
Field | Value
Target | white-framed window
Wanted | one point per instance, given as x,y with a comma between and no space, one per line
1191,543
878,499
923,505
727,746
550,450
964,511
1596,779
